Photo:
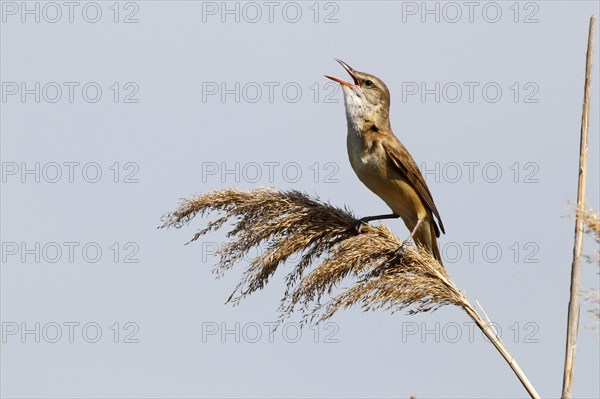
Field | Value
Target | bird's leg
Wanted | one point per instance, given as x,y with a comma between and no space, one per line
412,233
362,221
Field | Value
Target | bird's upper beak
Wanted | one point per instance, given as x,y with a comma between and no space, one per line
350,71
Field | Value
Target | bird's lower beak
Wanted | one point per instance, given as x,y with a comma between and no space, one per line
350,71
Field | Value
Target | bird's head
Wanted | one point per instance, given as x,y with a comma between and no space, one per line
367,99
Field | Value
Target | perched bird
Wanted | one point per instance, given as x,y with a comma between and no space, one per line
383,164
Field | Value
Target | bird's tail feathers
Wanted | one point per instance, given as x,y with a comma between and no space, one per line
426,236
435,249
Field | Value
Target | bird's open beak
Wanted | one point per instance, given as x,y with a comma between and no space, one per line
350,71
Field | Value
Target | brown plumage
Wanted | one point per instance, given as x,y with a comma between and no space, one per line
381,161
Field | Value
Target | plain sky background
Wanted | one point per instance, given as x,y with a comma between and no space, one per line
181,137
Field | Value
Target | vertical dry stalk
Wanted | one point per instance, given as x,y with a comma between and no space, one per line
573,316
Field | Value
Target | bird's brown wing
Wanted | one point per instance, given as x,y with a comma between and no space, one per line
408,168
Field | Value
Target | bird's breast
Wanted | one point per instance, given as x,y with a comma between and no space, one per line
367,158
375,170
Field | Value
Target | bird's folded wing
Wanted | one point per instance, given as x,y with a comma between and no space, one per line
408,168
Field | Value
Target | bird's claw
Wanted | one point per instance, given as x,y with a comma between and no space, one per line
358,226
402,247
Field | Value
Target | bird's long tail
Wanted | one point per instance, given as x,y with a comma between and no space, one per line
426,236
435,248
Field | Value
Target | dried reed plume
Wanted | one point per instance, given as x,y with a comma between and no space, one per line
591,221
388,275
592,297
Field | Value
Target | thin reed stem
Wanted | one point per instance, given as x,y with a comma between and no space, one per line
574,307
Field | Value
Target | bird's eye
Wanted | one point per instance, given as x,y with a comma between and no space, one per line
369,83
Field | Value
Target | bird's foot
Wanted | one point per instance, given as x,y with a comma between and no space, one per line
402,247
358,226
